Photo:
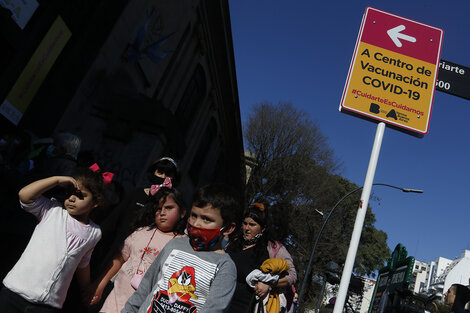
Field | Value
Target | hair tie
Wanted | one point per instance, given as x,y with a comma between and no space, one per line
171,160
155,188
107,176
259,206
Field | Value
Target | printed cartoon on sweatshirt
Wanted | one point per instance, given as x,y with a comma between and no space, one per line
180,289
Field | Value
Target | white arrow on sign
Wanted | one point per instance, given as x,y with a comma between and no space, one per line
395,34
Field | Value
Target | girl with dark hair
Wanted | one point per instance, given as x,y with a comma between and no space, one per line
457,297
164,167
160,220
117,226
61,244
249,248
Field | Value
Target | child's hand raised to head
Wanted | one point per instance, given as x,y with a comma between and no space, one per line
34,190
67,181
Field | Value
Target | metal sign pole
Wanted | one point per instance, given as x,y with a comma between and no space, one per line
360,217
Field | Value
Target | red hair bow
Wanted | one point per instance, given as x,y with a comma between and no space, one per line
166,183
107,176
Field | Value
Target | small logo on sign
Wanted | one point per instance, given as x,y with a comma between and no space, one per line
374,108
392,114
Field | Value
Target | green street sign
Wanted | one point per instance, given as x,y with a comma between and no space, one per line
397,274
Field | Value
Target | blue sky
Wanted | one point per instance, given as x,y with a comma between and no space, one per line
300,51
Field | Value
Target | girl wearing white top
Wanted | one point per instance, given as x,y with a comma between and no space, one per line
61,244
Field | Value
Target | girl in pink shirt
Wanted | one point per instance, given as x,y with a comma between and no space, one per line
161,219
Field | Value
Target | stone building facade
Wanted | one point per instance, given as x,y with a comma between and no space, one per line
137,80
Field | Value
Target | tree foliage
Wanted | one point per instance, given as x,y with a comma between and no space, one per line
295,174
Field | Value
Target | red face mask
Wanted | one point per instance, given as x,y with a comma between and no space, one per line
203,238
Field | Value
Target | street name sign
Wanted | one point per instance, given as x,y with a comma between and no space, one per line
393,71
453,79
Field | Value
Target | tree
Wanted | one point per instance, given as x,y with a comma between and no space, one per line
285,142
294,173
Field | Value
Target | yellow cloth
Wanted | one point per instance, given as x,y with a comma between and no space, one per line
274,266
273,303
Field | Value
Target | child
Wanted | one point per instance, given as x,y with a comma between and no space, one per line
116,227
194,275
60,246
161,220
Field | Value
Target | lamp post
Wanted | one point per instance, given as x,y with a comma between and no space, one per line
325,220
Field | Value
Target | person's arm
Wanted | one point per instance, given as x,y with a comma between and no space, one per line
34,190
95,293
222,288
291,276
83,276
83,279
261,289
